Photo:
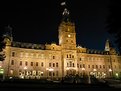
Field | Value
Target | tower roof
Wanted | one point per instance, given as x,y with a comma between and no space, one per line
65,13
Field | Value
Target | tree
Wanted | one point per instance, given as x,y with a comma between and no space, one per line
2,46
114,21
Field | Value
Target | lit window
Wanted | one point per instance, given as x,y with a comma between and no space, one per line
11,71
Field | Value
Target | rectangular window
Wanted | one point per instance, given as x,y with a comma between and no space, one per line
70,55
13,54
67,55
103,66
42,64
31,63
83,65
26,63
53,74
36,63
109,66
56,73
97,66
92,66
100,66
56,64
20,63
88,66
12,62
80,66
53,64
49,73
115,66
53,57
73,64
49,64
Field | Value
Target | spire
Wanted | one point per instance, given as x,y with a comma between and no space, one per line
107,45
66,13
8,32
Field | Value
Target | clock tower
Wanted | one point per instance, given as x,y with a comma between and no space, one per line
67,34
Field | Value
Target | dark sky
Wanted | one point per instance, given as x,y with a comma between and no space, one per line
37,22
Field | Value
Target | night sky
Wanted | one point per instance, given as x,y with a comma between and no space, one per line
37,22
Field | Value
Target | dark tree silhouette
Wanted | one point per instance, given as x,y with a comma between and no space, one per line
2,45
114,21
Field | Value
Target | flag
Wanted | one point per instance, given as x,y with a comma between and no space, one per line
63,3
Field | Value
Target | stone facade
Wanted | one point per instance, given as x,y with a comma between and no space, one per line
54,61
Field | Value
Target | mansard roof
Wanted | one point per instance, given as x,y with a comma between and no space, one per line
28,45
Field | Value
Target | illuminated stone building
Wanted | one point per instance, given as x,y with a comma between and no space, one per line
54,61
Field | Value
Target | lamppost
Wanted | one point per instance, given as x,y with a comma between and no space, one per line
110,71
83,69
47,72
50,70
95,72
25,68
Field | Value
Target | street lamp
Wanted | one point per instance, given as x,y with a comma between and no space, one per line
95,72
50,70
83,69
110,70
25,68
47,71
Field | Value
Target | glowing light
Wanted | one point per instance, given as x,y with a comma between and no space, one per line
69,35
117,74
51,69
110,70
94,69
25,68
67,68
83,68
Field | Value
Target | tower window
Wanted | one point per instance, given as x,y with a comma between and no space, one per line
12,62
